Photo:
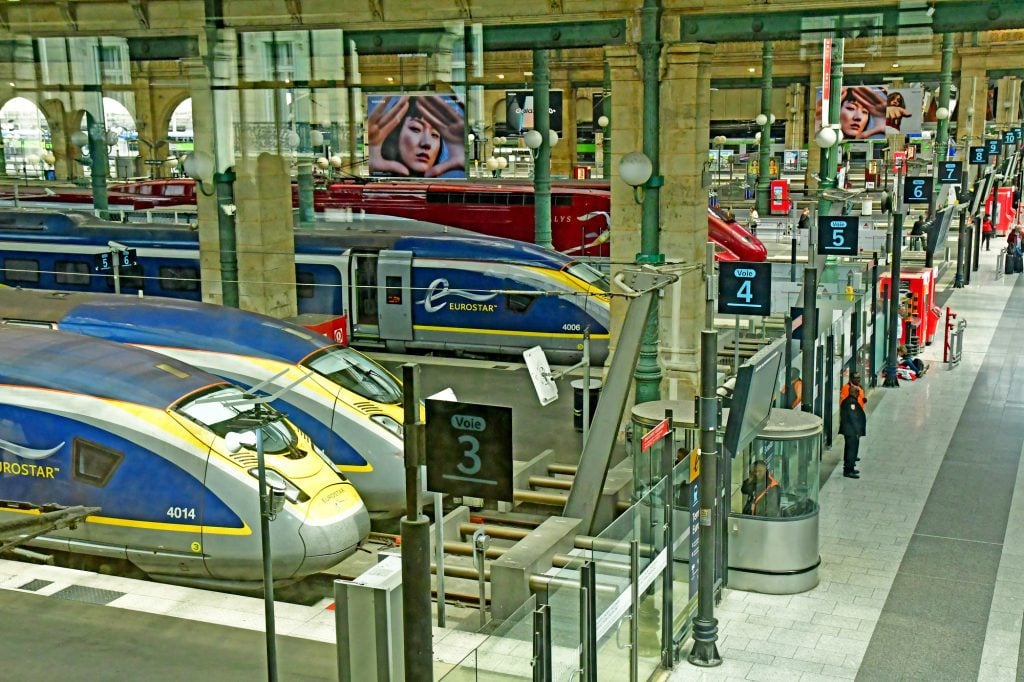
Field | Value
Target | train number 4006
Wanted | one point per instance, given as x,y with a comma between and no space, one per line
181,513
569,327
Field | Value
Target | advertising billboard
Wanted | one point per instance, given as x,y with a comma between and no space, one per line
519,111
870,112
416,135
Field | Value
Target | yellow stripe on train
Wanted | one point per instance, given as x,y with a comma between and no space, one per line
506,332
148,525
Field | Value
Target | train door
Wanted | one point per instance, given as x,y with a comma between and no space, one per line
394,275
362,296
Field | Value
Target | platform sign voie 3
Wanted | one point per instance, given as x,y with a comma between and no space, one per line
469,450
744,288
838,235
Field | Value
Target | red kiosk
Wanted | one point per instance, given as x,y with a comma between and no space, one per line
920,322
779,202
1006,214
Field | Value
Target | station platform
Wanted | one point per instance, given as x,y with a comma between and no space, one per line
922,557
920,573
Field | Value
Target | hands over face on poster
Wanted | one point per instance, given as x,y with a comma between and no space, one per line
416,136
872,111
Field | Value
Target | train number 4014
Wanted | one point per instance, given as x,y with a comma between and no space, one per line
181,513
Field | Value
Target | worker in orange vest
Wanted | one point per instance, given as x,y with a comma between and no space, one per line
853,423
762,491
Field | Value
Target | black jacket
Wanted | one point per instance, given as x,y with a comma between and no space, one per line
804,223
852,420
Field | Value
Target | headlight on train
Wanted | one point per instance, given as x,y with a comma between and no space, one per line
276,480
388,423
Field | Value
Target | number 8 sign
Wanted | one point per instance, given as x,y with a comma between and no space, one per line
744,288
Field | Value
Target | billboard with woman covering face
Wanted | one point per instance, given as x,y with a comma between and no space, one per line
870,112
417,136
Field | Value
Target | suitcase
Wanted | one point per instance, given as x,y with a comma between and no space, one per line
1018,263
1008,263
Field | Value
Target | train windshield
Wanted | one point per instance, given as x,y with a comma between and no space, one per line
357,373
588,274
227,410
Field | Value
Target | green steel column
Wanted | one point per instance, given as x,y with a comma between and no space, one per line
830,155
648,371
942,127
542,165
98,163
305,174
606,109
764,177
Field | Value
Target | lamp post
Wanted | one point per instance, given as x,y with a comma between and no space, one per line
719,141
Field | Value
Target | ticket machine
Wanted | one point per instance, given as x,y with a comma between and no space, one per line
779,202
1006,215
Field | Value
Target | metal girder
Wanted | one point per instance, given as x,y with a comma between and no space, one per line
793,25
163,48
745,83
953,17
141,10
552,36
519,37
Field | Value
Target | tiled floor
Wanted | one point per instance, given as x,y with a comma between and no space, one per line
867,525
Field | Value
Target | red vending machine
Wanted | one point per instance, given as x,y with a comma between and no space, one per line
1006,216
918,313
779,202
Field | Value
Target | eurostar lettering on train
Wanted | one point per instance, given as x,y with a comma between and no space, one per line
166,452
403,285
348,404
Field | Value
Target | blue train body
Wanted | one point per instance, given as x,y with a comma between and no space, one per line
347,403
145,438
403,285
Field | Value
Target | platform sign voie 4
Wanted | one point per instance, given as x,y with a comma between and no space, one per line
838,235
744,288
469,450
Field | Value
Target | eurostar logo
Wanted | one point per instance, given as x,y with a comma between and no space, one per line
28,453
439,290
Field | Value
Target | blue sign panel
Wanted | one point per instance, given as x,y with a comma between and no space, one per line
951,173
978,156
1018,134
744,288
837,235
694,538
917,190
1009,137
993,147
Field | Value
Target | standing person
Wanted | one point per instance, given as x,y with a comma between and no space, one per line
987,230
797,385
805,219
853,423
753,220
762,491
916,232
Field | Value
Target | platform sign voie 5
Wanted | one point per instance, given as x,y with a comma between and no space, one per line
837,235
917,190
950,172
744,288
469,450
978,156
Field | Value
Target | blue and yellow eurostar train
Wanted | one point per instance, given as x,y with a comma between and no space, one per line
403,285
154,443
348,404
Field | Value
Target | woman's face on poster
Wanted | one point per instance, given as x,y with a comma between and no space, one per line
853,118
419,145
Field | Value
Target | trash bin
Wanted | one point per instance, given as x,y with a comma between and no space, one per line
866,208
577,401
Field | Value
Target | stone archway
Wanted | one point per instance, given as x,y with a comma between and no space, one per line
26,137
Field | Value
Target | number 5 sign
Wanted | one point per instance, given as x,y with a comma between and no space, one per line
837,235
744,288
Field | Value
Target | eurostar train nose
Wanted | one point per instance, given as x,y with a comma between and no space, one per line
336,523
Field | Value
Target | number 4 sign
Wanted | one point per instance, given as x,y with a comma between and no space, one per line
744,288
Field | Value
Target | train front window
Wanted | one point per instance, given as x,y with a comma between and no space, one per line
225,410
588,274
357,373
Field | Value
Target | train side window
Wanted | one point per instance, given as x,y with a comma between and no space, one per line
304,286
94,463
561,200
131,279
21,270
519,303
70,272
179,278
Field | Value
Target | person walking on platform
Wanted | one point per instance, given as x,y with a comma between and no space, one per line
805,219
987,231
752,221
852,423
